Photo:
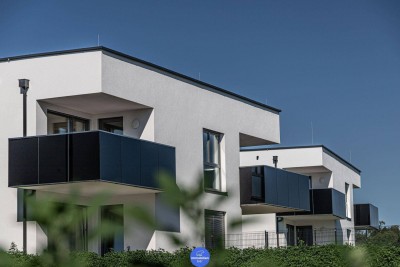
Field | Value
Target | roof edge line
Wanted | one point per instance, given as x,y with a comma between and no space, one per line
309,146
117,53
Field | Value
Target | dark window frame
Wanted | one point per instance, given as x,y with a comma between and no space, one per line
70,119
208,164
102,121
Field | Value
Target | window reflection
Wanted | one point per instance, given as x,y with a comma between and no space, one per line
58,123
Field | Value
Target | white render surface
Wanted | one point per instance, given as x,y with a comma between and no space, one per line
170,110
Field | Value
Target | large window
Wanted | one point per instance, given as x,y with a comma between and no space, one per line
58,123
348,202
212,159
214,229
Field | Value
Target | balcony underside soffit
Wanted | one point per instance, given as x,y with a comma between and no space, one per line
97,103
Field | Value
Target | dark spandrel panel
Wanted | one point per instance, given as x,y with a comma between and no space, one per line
23,161
84,156
271,191
283,186
53,155
149,164
130,158
322,201
245,186
293,187
338,204
166,160
110,157
167,216
304,193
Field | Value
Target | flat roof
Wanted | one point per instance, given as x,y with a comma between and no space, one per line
325,149
120,54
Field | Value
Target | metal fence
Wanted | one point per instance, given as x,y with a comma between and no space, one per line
270,239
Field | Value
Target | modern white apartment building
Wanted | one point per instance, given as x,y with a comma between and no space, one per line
100,120
331,181
165,119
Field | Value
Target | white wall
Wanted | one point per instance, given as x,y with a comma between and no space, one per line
50,77
181,111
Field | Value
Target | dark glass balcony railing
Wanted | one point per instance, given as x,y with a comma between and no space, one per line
264,189
88,156
366,216
326,201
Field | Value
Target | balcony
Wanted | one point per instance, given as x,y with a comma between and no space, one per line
325,204
95,161
366,216
264,189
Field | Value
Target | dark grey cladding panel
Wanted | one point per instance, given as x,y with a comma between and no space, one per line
271,185
366,215
374,216
322,201
110,157
293,188
130,158
53,167
338,204
166,161
84,156
281,188
88,156
23,161
148,164
304,193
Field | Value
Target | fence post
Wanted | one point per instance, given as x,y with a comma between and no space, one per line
266,239
335,237
315,236
277,239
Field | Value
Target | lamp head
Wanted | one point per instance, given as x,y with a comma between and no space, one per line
23,85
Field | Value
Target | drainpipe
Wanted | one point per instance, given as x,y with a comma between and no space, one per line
24,86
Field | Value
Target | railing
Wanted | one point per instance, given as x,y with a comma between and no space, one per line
88,156
273,239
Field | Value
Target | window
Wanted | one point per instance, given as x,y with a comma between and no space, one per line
212,160
58,123
112,125
214,229
257,183
347,195
77,231
113,239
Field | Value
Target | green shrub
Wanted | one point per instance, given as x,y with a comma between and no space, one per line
330,255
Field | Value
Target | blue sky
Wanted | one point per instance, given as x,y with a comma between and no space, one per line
333,63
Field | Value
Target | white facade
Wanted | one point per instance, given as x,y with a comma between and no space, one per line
327,170
156,105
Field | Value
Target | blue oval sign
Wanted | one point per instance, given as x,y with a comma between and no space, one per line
200,257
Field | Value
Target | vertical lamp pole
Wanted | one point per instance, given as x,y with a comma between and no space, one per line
24,86
275,161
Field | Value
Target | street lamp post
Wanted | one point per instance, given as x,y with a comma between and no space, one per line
24,86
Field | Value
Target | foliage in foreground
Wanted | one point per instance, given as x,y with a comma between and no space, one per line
330,255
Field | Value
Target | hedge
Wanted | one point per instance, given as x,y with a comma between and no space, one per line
330,255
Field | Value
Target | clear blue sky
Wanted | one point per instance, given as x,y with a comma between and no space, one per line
335,63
